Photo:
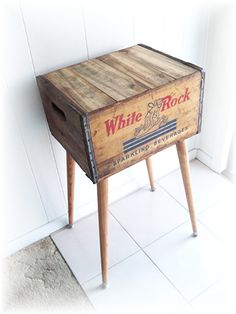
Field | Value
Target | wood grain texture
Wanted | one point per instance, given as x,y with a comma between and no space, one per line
187,63
185,170
118,109
153,129
114,83
160,62
70,163
87,96
148,75
66,123
150,173
102,195
101,82
114,111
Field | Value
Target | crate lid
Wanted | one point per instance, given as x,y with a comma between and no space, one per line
116,76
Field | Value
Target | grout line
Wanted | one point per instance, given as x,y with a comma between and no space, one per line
129,194
80,284
98,274
133,19
57,169
85,31
167,233
167,278
178,167
22,138
209,229
201,150
38,228
27,37
206,39
142,250
32,172
173,197
113,265
33,68
146,186
203,292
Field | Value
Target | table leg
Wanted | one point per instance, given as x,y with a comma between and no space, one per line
185,170
70,187
102,194
150,173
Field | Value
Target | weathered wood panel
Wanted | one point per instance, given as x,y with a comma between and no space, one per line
84,94
147,75
158,61
132,130
114,83
66,124
115,110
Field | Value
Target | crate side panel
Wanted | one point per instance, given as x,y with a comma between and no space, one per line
66,124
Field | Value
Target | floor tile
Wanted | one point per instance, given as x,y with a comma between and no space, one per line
148,215
219,298
135,285
207,185
198,270
80,246
220,218
191,263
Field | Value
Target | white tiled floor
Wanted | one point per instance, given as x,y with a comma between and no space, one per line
148,215
80,246
155,263
208,187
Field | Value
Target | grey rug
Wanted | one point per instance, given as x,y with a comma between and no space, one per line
37,278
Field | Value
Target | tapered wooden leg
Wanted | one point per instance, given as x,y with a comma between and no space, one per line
70,187
150,173
102,194
185,170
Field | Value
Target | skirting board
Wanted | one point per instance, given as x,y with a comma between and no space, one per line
60,222
230,175
204,158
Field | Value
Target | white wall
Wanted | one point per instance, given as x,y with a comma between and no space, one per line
219,114
44,35
230,171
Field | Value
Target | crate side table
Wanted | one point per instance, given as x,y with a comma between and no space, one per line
118,109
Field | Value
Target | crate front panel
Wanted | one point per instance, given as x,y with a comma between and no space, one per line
132,130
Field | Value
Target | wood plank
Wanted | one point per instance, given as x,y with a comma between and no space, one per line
114,83
188,64
160,62
165,58
65,124
79,90
147,75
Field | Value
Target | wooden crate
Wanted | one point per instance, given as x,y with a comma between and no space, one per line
115,110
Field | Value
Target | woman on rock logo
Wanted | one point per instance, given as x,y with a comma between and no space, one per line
152,118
